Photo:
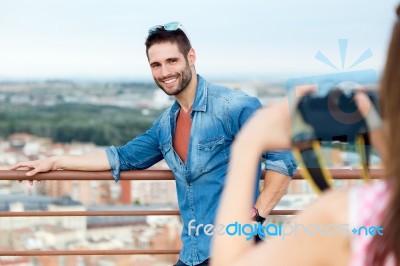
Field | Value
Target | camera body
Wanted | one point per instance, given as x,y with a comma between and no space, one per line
335,117
331,114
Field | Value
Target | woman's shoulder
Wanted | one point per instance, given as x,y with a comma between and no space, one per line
331,206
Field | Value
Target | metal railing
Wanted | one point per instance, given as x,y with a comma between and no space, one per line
338,174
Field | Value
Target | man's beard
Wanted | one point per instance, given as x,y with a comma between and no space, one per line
186,76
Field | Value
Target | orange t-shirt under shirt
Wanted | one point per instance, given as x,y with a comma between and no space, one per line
182,134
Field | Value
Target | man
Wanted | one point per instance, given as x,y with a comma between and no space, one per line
194,136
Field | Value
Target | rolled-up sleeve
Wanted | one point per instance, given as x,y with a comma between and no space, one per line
113,160
140,153
281,161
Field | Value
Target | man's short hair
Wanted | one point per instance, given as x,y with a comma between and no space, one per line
160,35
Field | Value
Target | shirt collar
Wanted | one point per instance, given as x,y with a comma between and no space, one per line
200,100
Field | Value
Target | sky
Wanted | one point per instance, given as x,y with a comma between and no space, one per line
104,39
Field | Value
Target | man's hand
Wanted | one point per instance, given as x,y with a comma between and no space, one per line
93,161
37,166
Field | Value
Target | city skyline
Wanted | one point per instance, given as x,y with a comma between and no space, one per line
260,39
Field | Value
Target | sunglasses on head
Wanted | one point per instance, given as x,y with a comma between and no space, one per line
171,26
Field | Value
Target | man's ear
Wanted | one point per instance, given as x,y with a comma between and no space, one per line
191,57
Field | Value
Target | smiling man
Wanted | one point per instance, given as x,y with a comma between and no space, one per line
194,136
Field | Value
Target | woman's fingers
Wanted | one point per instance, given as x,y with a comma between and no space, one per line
368,111
303,90
374,122
363,103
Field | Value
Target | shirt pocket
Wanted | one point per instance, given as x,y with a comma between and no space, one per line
211,153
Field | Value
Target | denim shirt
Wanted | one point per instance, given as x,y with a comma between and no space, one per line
217,115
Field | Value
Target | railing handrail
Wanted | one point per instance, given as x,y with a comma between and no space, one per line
111,213
150,175
88,252
341,174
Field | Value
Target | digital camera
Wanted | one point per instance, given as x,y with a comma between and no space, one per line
331,114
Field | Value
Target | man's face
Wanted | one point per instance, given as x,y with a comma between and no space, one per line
169,67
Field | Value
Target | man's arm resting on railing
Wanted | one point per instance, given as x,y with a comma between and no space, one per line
93,161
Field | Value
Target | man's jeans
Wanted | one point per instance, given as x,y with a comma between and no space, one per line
204,263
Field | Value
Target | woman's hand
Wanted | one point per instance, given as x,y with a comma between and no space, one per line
371,115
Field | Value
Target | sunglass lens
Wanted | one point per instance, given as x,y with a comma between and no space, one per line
172,26
154,28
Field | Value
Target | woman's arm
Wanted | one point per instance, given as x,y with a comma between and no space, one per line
268,129
325,241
